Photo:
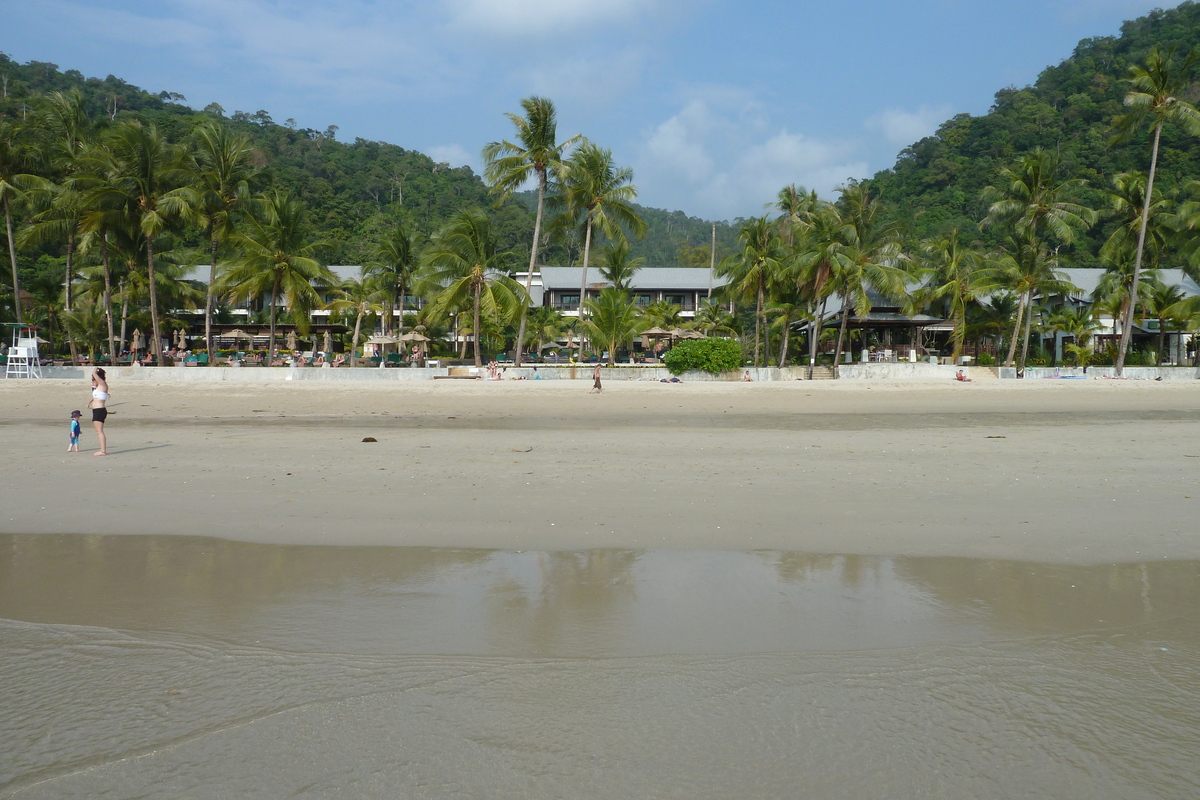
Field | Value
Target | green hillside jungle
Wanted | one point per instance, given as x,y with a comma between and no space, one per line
973,224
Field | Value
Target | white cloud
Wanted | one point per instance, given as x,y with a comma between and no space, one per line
731,162
534,17
902,128
452,154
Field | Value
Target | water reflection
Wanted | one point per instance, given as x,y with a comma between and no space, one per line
595,603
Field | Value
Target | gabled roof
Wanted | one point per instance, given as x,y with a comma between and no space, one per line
1087,279
683,279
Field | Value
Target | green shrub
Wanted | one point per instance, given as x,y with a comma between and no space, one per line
985,360
710,355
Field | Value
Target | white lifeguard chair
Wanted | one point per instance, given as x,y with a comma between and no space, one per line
23,358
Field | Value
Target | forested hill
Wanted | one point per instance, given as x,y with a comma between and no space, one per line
353,190
936,183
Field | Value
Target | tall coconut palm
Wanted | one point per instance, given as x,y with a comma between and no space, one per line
1025,268
1156,96
1079,324
861,253
221,185
536,154
143,175
278,261
949,271
464,261
18,158
600,195
1034,204
618,268
751,269
395,270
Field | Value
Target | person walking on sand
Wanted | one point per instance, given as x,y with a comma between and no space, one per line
98,405
73,447
596,388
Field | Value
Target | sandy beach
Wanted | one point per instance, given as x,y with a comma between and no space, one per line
1070,471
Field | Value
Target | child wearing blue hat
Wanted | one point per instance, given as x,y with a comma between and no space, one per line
73,447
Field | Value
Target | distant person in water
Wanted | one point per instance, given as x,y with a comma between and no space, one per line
596,388
99,406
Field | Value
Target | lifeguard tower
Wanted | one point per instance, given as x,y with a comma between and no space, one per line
23,359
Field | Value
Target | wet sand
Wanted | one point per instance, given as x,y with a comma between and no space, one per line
1068,471
142,666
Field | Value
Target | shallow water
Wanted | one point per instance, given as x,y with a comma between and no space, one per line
164,666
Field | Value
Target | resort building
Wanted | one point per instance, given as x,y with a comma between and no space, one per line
686,287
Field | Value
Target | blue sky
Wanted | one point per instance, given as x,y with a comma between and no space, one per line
715,104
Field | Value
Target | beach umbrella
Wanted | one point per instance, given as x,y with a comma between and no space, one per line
382,340
688,334
291,340
180,339
328,342
415,336
137,342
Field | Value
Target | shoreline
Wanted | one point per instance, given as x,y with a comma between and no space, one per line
1071,471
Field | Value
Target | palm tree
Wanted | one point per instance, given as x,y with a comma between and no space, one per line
278,261
1030,201
142,176
1162,304
788,308
545,325
1079,324
18,157
613,321
663,314
221,185
536,153
600,193
464,261
1115,287
713,320
752,268
618,268
859,252
949,271
1157,89
361,296
395,269
1026,269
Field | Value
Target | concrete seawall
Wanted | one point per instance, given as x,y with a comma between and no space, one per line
261,375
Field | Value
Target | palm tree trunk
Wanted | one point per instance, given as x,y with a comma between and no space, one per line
208,304
475,320
403,300
67,296
1012,345
271,344
814,338
354,343
108,315
1158,359
124,313
758,306
1028,328
1127,330
533,254
587,253
12,258
783,347
154,321
841,340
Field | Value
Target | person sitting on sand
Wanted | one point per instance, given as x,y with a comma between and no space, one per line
746,378
962,376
